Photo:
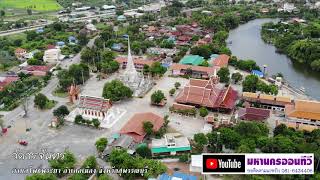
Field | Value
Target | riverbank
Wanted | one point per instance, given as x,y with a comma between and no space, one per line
248,44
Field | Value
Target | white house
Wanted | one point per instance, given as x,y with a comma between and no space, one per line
287,7
52,55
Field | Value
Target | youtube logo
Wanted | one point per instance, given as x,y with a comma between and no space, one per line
223,163
212,163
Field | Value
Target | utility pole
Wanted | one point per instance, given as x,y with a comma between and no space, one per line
82,77
25,107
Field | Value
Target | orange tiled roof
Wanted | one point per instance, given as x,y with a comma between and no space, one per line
134,126
222,60
266,97
250,95
283,99
209,70
304,109
136,60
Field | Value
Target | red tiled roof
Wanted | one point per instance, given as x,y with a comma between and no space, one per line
222,60
208,70
134,126
37,68
96,103
205,93
50,46
177,106
252,113
136,60
6,81
184,38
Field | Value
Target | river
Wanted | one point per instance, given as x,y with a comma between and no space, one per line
247,44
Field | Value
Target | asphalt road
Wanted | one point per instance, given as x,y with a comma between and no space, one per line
78,139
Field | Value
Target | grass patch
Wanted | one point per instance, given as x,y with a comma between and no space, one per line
50,104
59,93
36,5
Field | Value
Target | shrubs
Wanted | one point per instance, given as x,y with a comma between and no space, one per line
101,144
203,112
188,112
172,91
42,102
80,120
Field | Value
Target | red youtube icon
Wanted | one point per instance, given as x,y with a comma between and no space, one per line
212,163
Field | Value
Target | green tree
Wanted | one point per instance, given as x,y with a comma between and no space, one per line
172,91
148,127
203,111
204,63
39,176
78,176
144,151
2,13
184,158
29,11
204,51
34,61
177,85
101,144
104,177
96,122
90,163
250,83
157,97
61,111
78,119
200,139
68,161
40,101
224,75
116,91
229,138
236,77
157,69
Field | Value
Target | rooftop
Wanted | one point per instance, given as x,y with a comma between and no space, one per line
134,126
304,109
222,60
192,60
96,103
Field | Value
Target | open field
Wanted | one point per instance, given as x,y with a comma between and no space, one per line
37,5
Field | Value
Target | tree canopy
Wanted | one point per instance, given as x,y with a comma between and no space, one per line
116,91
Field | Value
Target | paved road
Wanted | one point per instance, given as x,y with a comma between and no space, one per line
78,139
10,32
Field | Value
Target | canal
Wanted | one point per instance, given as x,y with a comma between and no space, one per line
246,43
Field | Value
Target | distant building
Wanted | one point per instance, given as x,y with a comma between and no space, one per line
36,70
91,29
253,114
118,47
194,60
72,40
139,62
52,56
192,71
300,126
207,93
60,44
302,109
266,101
171,144
257,73
40,30
221,61
20,53
5,81
121,18
83,8
121,142
134,126
287,7
31,54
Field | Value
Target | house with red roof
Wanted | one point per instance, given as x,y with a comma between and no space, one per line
221,61
139,62
194,71
36,70
207,93
253,114
5,81
134,126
